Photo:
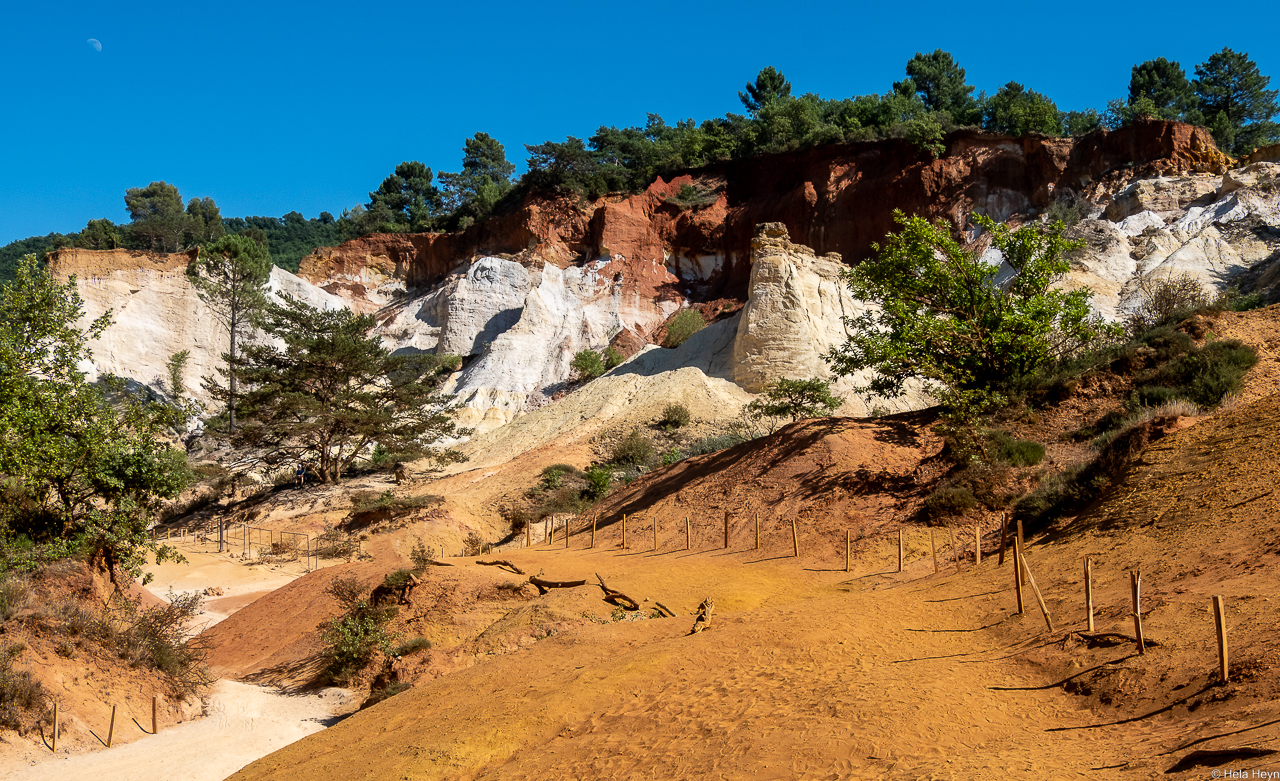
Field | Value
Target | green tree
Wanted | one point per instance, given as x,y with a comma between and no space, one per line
333,392
770,85
1235,102
485,177
82,472
795,399
1079,123
158,219
99,234
204,222
408,197
587,365
940,82
1015,110
229,276
1160,86
943,317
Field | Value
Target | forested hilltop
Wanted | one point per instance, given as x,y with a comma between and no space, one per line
1228,95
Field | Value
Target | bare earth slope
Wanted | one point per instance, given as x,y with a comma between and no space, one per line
812,673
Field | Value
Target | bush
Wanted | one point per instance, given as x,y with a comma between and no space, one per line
421,555
349,591
22,698
587,365
1206,375
675,416
612,358
393,688
795,399
686,323
413,646
598,479
15,593
1163,300
690,197
949,501
672,456
1068,210
1232,300
159,638
1015,452
635,448
351,641
472,545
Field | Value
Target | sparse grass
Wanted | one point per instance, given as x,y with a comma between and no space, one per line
686,323
635,448
1005,449
675,416
23,699
950,501
413,646
15,594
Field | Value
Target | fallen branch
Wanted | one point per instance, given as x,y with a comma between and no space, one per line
506,564
703,621
1113,638
546,585
668,610
617,597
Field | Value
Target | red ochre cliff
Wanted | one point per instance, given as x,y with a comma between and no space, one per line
838,198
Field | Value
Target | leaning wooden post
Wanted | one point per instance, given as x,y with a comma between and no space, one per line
546,531
1004,536
1135,580
111,730
757,531
933,548
1088,591
528,534
900,550
846,550
955,557
726,530
1022,547
568,532
154,721
624,531
686,532
1031,580
1220,618
593,530
1017,577
55,728
795,540
977,545
655,535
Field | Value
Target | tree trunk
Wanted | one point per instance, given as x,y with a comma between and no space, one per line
231,376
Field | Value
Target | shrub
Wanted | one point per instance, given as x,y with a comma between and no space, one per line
1206,375
950,500
612,358
672,456
587,365
1068,210
1015,452
686,323
15,593
691,197
675,416
795,399
421,555
349,591
158,637
351,641
413,646
598,479
22,697
393,688
472,545
1163,300
635,448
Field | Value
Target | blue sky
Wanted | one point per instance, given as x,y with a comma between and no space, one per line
273,107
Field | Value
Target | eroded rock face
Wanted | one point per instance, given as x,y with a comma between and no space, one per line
795,312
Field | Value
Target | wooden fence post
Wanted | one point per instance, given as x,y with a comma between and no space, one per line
933,548
686,532
624,531
1135,580
900,550
846,550
111,730
55,727
1031,580
1022,547
655,535
977,545
154,728
1220,618
726,530
955,557
528,534
568,533
546,531
757,531
1017,577
1088,591
795,540
593,530
1004,536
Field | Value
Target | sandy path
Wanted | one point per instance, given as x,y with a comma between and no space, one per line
242,723
240,583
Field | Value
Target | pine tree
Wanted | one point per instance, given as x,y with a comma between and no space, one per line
1235,101
770,85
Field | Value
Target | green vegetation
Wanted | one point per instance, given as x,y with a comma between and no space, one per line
175,367
83,470
675,416
946,323
333,392
292,237
634,449
587,365
795,399
353,639
686,323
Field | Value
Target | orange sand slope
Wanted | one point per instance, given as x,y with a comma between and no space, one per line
809,672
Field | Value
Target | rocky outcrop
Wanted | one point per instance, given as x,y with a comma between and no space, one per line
155,313
835,199
795,312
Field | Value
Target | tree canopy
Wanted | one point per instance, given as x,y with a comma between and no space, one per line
940,82
945,317
770,85
331,392
82,471
1235,101
485,177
